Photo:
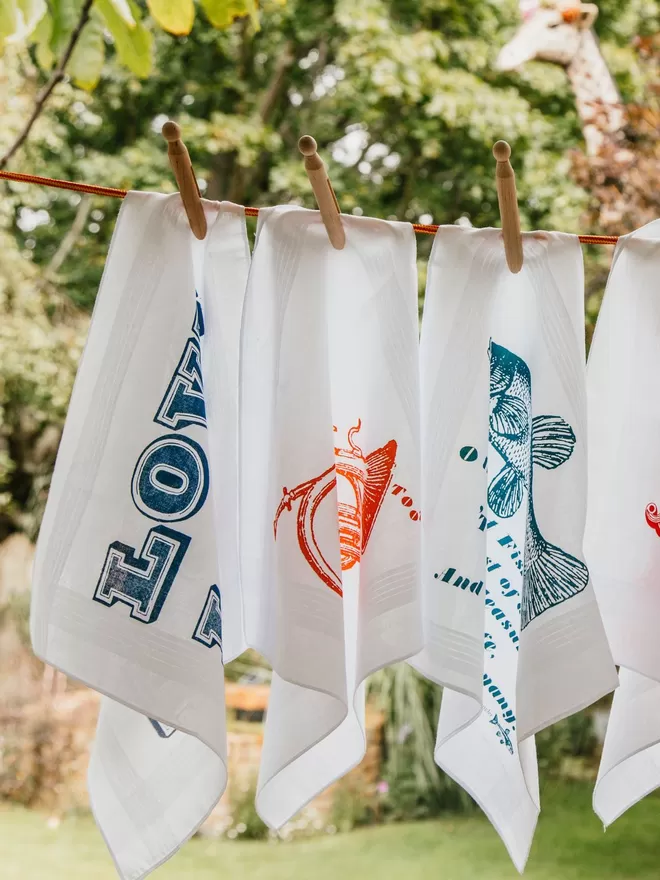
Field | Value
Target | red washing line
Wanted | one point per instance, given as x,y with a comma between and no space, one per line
429,229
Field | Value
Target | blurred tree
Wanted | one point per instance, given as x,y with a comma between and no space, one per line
403,98
618,166
68,37
49,27
402,95
623,179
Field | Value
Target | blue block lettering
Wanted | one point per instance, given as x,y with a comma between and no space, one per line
183,403
171,479
198,323
142,581
209,626
164,731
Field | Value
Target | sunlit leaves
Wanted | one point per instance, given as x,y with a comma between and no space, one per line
88,56
30,13
64,16
8,20
221,13
134,44
41,40
48,25
124,10
174,16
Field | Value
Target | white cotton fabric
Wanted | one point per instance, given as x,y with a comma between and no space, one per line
329,498
512,629
138,545
622,541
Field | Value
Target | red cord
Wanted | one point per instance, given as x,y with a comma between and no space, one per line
426,229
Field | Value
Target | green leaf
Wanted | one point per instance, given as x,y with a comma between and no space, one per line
88,56
174,16
8,20
134,45
221,13
65,15
31,12
41,37
122,7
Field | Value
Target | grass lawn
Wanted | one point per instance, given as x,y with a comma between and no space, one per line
569,845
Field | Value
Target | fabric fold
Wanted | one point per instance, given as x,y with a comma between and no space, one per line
129,589
512,629
329,473
622,541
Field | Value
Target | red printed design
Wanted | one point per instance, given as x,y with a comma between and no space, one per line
652,517
369,477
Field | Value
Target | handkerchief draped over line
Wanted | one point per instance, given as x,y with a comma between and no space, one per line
329,471
138,547
622,541
511,624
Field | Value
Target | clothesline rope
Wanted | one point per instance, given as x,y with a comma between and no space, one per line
112,192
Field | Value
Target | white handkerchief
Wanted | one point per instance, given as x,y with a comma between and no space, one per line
128,582
622,541
511,624
329,470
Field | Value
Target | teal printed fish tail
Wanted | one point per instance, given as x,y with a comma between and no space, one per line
551,575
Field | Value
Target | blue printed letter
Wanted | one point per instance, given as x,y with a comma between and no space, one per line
171,479
143,581
183,403
209,626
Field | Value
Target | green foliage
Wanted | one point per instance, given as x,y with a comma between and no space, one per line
352,806
86,62
133,42
16,613
48,27
174,16
247,664
402,96
221,13
41,337
406,802
569,748
245,822
414,786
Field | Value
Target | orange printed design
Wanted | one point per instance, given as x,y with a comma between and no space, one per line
571,15
369,476
652,517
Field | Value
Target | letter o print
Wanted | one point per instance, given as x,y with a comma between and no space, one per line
171,479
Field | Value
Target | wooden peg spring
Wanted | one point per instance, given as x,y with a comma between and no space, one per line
179,157
325,194
508,200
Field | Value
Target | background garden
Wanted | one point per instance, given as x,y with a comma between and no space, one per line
405,101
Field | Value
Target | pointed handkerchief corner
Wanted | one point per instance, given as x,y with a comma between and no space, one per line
622,541
329,512
128,583
512,629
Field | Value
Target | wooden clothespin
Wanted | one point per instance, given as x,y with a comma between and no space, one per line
179,157
325,194
508,200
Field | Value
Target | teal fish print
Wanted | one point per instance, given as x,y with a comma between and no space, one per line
502,733
550,574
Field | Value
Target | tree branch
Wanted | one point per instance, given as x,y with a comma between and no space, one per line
57,77
68,242
227,179
271,96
